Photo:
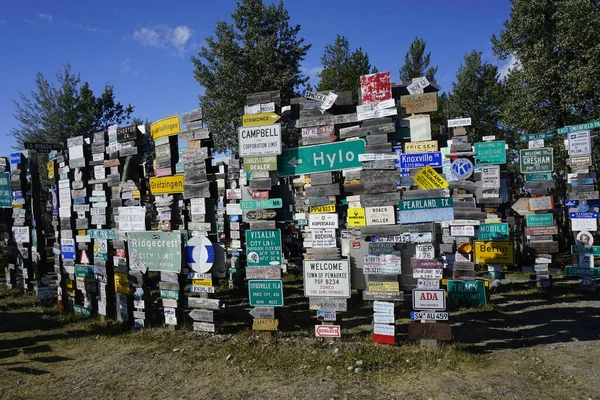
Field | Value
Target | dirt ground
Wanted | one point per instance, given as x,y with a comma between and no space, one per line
528,344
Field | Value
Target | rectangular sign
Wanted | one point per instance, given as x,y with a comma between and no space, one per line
327,278
539,219
260,163
428,316
380,215
536,160
156,250
498,231
165,127
429,299
580,127
263,247
494,252
421,147
425,210
266,118
578,271
261,204
580,143
265,293
260,140
384,264
323,221
466,293
420,160
490,153
541,203
321,158
167,184
453,123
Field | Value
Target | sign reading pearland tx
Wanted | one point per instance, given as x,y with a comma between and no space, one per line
158,251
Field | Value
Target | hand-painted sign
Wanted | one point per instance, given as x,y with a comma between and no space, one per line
376,87
156,250
420,160
428,178
467,293
327,278
260,140
321,158
490,153
265,293
494,252
536,160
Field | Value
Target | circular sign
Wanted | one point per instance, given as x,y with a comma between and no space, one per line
200,254
465,248
585,238
462,168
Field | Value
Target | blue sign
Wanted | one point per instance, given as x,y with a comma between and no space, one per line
582,181
79,200
583,215
17,194
462,168
403,172
15,158
420,160
68,251
575,203
425,215
53,190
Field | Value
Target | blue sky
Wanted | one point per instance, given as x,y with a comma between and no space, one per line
144,51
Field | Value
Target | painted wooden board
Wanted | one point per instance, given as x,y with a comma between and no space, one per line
387,127
418,103
379,176
424,194
192,190
322,191
383,199
438,331
326,120
322,178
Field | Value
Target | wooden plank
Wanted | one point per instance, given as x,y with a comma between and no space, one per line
380,188
322,178
539,185
438,331
463,266
379,176
260,183
381,230
424,194
191,190
203,303
418,103
320,139
462,213
263,97
383,199
326,120
363,131
379,164
258,225
377,139
378,148
461,147
322,191
531,248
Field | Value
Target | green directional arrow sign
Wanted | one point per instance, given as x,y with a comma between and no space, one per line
321,158
580,127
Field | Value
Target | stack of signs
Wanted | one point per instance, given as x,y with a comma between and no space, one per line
583,211
259,145
167,189
21,233
539,217
233,197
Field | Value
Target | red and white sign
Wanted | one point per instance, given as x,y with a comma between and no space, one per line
376,87
429,299
328,331
260,195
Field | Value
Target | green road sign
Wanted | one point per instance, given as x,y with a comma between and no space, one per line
260,204
169,294
467,293
537,136
490,153
595,250
536,160
84,271
538,176
540,219
581,271
320,158
302,222
263,247
580,127
5,191
265,293
420,204
493,232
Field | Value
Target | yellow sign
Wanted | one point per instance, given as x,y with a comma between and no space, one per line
421,147
201,282
260,119
165,127
81,232
122,283
356,217
51,169
494,252
427,178
328,208
262,324
135,194
384,286
493,221
166,184
69,284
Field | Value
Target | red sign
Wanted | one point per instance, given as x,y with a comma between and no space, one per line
84,258
120,253
356,245
383,339
328,330
260,195
376,87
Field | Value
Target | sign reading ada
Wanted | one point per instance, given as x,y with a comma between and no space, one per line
427,178
165,127
167,184
327,278
494,252
429,299
260,140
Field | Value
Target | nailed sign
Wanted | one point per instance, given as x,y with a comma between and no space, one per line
260,140
580,143
494,252
536,160
425,210
327,278
167,184
380,215
429,299
265,293
263,247
490,153
428,178
156,250
165,127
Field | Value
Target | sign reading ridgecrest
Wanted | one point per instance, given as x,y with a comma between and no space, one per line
158,251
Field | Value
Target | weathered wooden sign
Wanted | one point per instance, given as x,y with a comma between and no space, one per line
419,103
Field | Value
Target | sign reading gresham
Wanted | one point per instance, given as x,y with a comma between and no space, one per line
496,252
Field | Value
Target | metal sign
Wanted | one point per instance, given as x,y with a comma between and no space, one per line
428,178
327,278
536,160
200,254
260,204
155,250
266,118
356,217
467,293
5,191
322,158
539,219
429,299
425,210
323,221
167,184
265,293
461,168
580,127
43,147
376,87
536,144
428,316
490,177
494,252
165,127
420,160
490,153
263,247
260,140
328,330
453,123
493,231
580,143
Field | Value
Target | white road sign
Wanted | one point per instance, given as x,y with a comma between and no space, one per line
429,299
259,140
327,278
580,143
453,123
323,221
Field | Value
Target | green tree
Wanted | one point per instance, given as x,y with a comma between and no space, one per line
56,111
342,68
477,94
416,63
259,51
557,47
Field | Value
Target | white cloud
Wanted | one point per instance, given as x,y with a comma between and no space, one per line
125,65
164,37
45,17
312,72
505,66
